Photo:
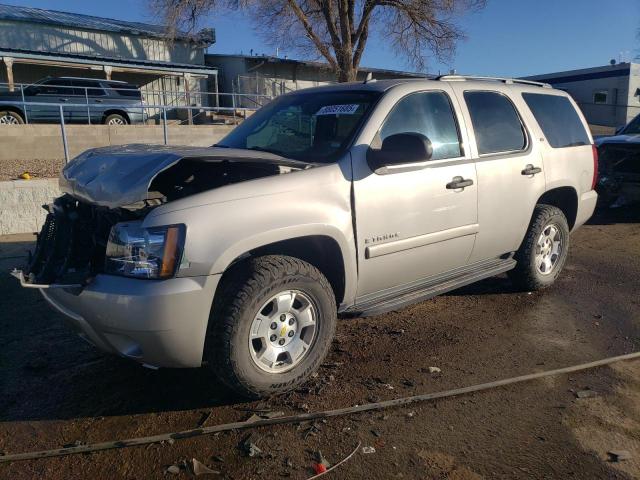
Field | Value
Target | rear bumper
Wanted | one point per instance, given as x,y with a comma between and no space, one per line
137,116
157,323
586,207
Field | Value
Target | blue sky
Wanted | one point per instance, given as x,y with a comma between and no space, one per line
508,38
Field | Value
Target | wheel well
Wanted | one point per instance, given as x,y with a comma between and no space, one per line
11,108
564,198
116,112
319,250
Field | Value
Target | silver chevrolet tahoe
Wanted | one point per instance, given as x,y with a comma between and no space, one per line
357,198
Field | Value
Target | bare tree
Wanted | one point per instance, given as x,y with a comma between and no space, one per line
338,30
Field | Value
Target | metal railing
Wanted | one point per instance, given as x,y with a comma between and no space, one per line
162,108
93,93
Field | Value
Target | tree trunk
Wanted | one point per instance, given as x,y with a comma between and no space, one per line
346,72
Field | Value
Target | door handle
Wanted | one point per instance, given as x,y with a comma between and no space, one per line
63,99
458,183
99,101
531,170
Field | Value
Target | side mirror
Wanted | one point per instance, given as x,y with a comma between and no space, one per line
620,129
400,149
33,90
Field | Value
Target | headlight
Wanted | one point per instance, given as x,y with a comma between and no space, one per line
139,252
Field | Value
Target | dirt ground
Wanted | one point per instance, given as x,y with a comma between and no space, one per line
57,390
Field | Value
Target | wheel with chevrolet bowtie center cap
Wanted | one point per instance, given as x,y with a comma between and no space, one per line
272,324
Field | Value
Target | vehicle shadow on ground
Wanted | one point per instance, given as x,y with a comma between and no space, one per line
609,216
47,372
488,286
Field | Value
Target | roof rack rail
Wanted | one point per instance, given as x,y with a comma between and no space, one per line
495,79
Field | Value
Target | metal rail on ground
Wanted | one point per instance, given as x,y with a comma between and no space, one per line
305,417
162,108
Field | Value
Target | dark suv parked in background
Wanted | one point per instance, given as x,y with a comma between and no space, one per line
103,101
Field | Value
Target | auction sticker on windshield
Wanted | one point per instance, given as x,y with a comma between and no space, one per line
349,109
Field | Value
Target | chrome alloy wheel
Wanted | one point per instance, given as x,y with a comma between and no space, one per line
116,121
549,248
8,120
283,331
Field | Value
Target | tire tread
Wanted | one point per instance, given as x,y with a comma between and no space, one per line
239,287
524,275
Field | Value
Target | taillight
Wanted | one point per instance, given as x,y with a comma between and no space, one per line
595,167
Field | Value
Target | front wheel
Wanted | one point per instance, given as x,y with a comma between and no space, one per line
271,326
544,249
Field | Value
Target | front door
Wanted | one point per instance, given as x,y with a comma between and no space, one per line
412,223
51,94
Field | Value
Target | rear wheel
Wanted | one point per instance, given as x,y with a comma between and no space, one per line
9,117
115,119
271,326
544,249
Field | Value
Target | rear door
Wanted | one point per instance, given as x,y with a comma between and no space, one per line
410,224
91,94
565,142
508,164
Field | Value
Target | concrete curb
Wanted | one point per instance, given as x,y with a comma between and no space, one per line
21,204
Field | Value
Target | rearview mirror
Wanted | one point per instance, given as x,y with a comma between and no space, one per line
398,150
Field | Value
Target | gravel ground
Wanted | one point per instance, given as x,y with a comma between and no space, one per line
11,169
58,390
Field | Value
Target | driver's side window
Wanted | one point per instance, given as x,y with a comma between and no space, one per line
428,113
54,87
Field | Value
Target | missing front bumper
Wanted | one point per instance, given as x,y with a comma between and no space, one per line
27,284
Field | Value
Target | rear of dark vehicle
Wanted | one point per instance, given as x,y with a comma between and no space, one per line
619,182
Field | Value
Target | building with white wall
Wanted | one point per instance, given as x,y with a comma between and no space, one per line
256,75
608,95
36,43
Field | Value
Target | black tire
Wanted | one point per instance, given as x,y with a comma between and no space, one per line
526,275
117,118
11,115
244,291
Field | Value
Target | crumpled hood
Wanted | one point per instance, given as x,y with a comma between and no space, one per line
116,176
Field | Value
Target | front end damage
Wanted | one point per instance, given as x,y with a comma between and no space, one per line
107,186
157,321
70,248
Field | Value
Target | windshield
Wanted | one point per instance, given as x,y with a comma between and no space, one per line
311,127
633,128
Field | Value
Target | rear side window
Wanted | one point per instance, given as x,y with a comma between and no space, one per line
92,89
558,120
495,122
428,113
126,90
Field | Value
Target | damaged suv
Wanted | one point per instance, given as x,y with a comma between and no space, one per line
348,199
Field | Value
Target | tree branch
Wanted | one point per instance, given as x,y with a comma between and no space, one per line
322,48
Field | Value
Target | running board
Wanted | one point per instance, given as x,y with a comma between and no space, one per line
431,288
